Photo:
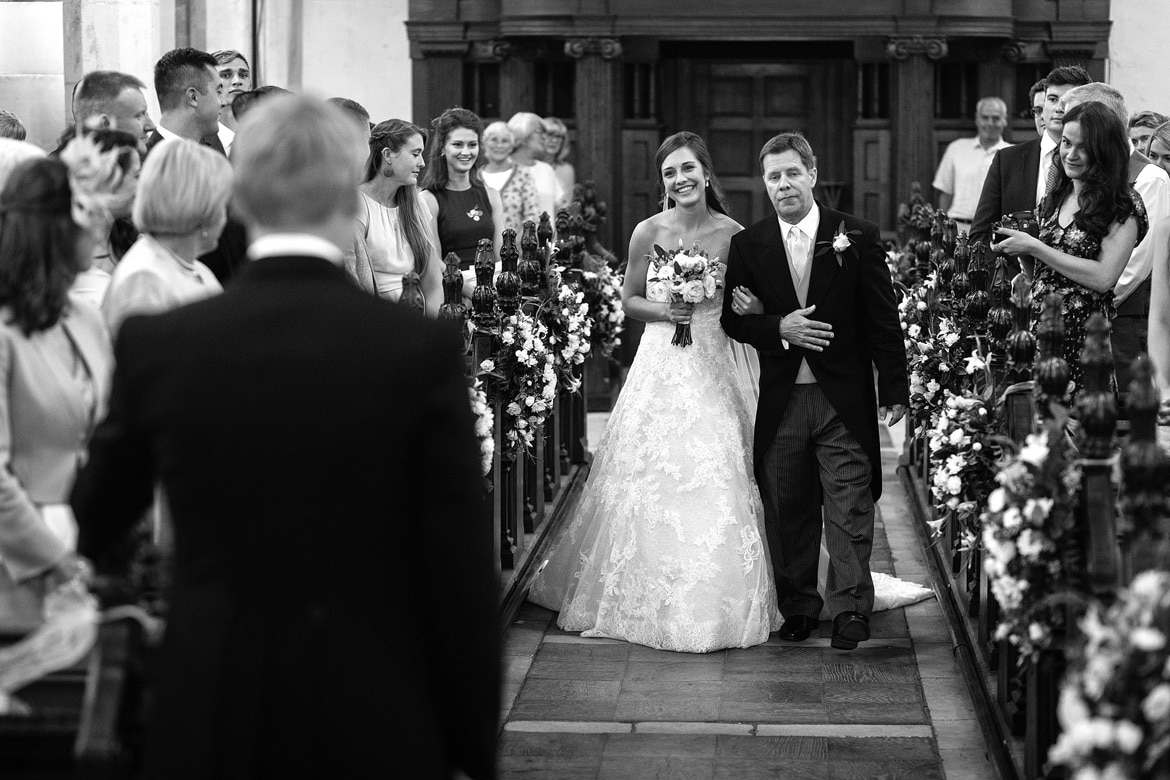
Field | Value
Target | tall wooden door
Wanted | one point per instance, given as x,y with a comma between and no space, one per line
738,106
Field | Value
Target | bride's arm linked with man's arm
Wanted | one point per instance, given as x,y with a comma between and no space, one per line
768,333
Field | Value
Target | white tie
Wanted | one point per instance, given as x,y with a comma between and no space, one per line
796,251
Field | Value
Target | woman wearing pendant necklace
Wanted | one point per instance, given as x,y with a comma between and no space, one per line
180,210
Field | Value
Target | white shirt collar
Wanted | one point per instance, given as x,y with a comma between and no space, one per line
809,225
294,245
1046,144
226,136
165,133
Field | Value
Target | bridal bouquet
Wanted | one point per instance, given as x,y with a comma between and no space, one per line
686,275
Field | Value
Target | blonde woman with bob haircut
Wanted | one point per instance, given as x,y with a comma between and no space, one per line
180,210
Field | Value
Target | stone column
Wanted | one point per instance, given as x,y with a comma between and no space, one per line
913,111
598,87
31,67
123,35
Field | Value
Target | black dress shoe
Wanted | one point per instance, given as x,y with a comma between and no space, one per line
797,628
849,628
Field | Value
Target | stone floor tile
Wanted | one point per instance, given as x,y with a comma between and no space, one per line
677,671
872,693
559,669
651,744
687,727
520,743
660,690
584,651
696,709
842,730
885,770
770,657
947,698
875,713
771,748
882,749
523,640
903,673
643,653
937,659
780,692
770,712
543,768
665,767
755,769
968,765
559,709
572,690
959,735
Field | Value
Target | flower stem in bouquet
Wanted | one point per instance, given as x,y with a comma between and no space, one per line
682,335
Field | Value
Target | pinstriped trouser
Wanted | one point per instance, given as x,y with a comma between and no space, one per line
813,459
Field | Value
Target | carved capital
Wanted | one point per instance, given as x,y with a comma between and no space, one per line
490,51
1017,52
1071,52
606,48
905,47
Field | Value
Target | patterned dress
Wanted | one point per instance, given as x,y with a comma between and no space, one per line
1079,302
518,194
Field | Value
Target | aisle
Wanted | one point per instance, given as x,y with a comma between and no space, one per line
896,707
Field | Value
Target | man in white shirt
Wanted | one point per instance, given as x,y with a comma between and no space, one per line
1131,294
188,91
964,166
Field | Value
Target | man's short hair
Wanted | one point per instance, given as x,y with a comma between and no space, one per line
246,101
1099,92
1065,75
10,126
356,109
991,101
177,71
224,56
778,144
1035,90
97,91
308,177
1150,119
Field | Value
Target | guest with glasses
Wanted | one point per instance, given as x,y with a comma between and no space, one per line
556,150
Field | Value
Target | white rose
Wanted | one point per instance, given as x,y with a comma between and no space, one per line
1147,639
657,291
951,339
840,242
1129,736
709,286
666,271
487,365
954,485
1035,449
914,330
692,292
1011,518
1156,705
997,500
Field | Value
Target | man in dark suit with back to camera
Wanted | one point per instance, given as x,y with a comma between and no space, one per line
333,606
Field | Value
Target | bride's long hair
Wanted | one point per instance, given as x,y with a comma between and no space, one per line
688,140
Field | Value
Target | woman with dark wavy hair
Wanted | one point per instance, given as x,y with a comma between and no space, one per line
1086,230
54,364
465,209
396,232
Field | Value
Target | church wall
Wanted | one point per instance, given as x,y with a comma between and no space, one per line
1141,30
31,66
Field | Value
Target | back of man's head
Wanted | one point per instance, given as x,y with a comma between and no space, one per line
11,127
177,71
1100,92
1067,75
1150,119
98,91
294,165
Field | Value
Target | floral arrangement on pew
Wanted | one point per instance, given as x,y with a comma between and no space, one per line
965,450
1115,700
485,420
603,294
1030,539
566,315
935,355
526,371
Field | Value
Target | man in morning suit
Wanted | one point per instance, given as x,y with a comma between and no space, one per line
816,436
333,607
1019,174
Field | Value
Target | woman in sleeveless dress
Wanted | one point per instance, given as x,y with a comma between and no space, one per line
396,233
666,547
466,211
1086,234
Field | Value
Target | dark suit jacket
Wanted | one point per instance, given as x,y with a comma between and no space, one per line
1010,186
333,610
855,297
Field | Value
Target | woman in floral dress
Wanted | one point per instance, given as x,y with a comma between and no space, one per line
1086,234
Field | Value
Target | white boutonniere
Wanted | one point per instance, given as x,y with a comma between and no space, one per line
842,241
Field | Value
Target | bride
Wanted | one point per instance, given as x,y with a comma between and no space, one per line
665,548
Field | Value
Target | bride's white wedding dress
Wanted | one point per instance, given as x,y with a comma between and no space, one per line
666,546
